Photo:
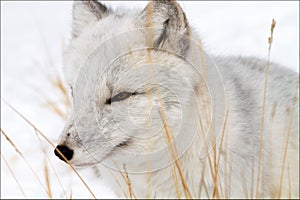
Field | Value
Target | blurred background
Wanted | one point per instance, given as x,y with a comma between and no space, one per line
33,36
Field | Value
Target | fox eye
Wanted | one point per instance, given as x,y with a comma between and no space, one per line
119,97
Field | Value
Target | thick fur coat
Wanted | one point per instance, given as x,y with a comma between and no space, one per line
165,119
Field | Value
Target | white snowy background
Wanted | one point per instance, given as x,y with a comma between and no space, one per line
33,35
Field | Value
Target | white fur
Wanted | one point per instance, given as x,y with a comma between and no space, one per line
95,60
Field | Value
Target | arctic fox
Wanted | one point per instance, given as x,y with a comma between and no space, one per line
165,119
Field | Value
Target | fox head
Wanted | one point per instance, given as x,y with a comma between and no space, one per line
133,86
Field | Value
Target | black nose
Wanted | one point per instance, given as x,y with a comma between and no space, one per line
68,153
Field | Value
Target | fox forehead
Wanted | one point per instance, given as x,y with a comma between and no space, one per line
100,34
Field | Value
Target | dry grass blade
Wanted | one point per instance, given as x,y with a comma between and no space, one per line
219,156
58,84
131,194
215,179
149,24
204,137
252,177
47,102
203,184
204,96
168,138
126,179
225,170
118,183
57,178
13,174
49,142
27,163
47,179
289,181
174,177
288,137
263,107
46,168
270,158
262,177
174,154
56,109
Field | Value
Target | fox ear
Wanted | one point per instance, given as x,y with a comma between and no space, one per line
86,12
169,18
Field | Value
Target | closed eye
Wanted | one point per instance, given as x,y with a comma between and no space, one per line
71,91
119,97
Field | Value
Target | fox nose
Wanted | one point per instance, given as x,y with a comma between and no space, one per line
68,153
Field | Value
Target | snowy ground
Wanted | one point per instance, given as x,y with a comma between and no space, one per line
32,37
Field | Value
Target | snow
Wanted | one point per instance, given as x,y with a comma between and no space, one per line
32,38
